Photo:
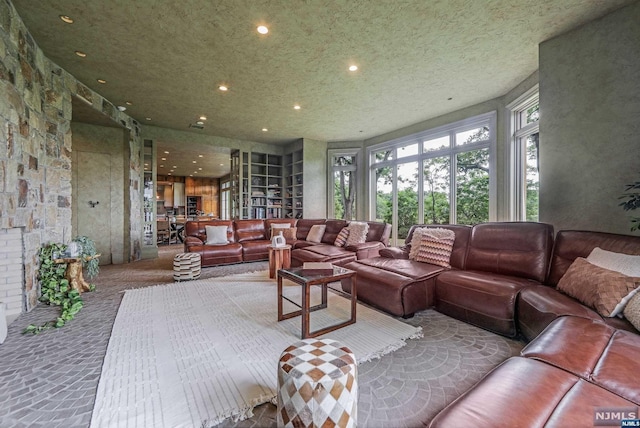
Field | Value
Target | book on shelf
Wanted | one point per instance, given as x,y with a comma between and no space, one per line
317,268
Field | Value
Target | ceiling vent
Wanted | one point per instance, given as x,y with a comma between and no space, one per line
196,125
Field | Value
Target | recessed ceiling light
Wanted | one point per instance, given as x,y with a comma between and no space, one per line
199,169
221,164
67,19
164,158
297,107
195,172
81,54
223,88
174,166
200,156
170,170
146,164
194,161
168,173
353,67
203,117
148,118
166,152
122,108
190,175
264,129
199,122
161,166
129,103
262,29
102,81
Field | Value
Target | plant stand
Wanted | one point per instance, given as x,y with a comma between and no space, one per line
74,272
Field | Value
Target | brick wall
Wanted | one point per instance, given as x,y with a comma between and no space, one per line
11,270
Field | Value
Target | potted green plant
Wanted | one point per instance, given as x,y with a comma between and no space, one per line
632,202
54,286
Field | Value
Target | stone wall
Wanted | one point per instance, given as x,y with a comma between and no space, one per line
35,158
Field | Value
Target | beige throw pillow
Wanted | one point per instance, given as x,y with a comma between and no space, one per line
316,232
277,227
598,288
632,311
433,232
357,233
216,235
436,250
341,239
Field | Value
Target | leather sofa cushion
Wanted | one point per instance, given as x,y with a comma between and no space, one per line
249,230
481,298
409,268
211,255
593,351
571,244
304,225
539,305
392,292
516,249
528,393
333,228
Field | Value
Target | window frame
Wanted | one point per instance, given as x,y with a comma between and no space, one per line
518,151
487,119
332,168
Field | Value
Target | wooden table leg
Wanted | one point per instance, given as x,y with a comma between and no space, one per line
272,262
306,300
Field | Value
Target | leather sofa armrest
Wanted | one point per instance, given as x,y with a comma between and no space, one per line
366,249
395,253
192,240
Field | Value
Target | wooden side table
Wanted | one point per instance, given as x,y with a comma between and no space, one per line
297,276
279,258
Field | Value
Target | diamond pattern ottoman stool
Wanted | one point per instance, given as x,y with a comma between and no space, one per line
317,385
186,266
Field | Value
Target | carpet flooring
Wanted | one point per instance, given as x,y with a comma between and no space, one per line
50,380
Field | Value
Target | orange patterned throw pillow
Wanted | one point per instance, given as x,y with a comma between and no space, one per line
598,288
436,246
341,239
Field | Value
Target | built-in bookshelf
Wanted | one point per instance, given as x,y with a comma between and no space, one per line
294,185
257,179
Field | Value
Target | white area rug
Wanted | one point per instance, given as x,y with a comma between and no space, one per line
195,353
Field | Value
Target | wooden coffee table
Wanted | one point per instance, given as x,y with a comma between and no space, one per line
306,281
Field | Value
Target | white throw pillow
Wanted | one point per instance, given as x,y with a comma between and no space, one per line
216,235
357,233
316,232
625,264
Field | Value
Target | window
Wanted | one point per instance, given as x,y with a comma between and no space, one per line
439,176
525,171
343,167
225,198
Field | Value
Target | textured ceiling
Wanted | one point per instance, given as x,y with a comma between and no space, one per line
417,59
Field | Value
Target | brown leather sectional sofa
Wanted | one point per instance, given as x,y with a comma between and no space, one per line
503,278
249,240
